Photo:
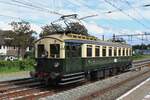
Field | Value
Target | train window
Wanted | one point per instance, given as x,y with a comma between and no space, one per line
54,50
119,52
41,50
123,52
110,51
73,50
127,52
115,51
89,51
97,51
104,51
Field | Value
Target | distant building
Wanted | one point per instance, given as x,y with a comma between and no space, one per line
3,50
7,50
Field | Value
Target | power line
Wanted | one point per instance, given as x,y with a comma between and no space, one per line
126,14
9,3
112,11
121,32
18,5
128,3
29,6
28,20
37,3
35,6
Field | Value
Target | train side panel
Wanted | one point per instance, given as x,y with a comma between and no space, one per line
105,62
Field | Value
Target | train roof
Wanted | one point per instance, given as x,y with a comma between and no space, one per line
103,43
90,40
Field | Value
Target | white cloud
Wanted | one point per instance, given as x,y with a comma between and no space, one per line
36,28
93,28
5,26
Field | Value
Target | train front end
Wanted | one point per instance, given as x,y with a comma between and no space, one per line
49,55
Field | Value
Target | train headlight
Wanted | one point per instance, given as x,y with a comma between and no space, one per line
35,64
56,64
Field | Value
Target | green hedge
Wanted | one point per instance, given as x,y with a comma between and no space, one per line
14,66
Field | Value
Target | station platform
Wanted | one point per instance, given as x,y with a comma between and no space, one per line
140,92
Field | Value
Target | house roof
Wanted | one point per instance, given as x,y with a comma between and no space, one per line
2,41
104,43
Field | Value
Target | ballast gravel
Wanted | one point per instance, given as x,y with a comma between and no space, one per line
85,90
14,76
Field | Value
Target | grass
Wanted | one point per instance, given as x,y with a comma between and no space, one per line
13,69
140,57
16,66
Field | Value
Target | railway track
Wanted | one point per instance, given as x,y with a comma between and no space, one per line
15,88
30,89
142,63
136,65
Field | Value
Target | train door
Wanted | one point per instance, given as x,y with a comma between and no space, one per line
73,57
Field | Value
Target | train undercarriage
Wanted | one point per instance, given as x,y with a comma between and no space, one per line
64,79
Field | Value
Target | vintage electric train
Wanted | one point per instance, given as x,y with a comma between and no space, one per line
68,58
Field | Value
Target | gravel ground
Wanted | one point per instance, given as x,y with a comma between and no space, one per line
112,95
84,90
13,76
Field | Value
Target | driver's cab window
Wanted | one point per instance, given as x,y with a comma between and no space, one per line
55,50
41,51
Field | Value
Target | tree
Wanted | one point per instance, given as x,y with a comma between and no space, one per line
75,28
51,29
22,36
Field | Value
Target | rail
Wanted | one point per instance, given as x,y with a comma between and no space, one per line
138,65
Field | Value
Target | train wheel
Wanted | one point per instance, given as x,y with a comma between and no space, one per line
107,72
88,76
94,75
101,74
110,72
113,71
47,82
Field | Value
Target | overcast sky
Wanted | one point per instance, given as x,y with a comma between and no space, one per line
134,18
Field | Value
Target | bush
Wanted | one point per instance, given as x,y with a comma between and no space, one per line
14,66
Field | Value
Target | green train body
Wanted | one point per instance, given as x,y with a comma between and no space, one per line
65,59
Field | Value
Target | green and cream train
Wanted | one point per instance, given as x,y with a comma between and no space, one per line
64,59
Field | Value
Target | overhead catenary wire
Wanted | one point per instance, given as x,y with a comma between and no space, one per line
35,6
36,3
131,17
30,6
128,3
128,16
22,19
24,6
120,31
116,10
